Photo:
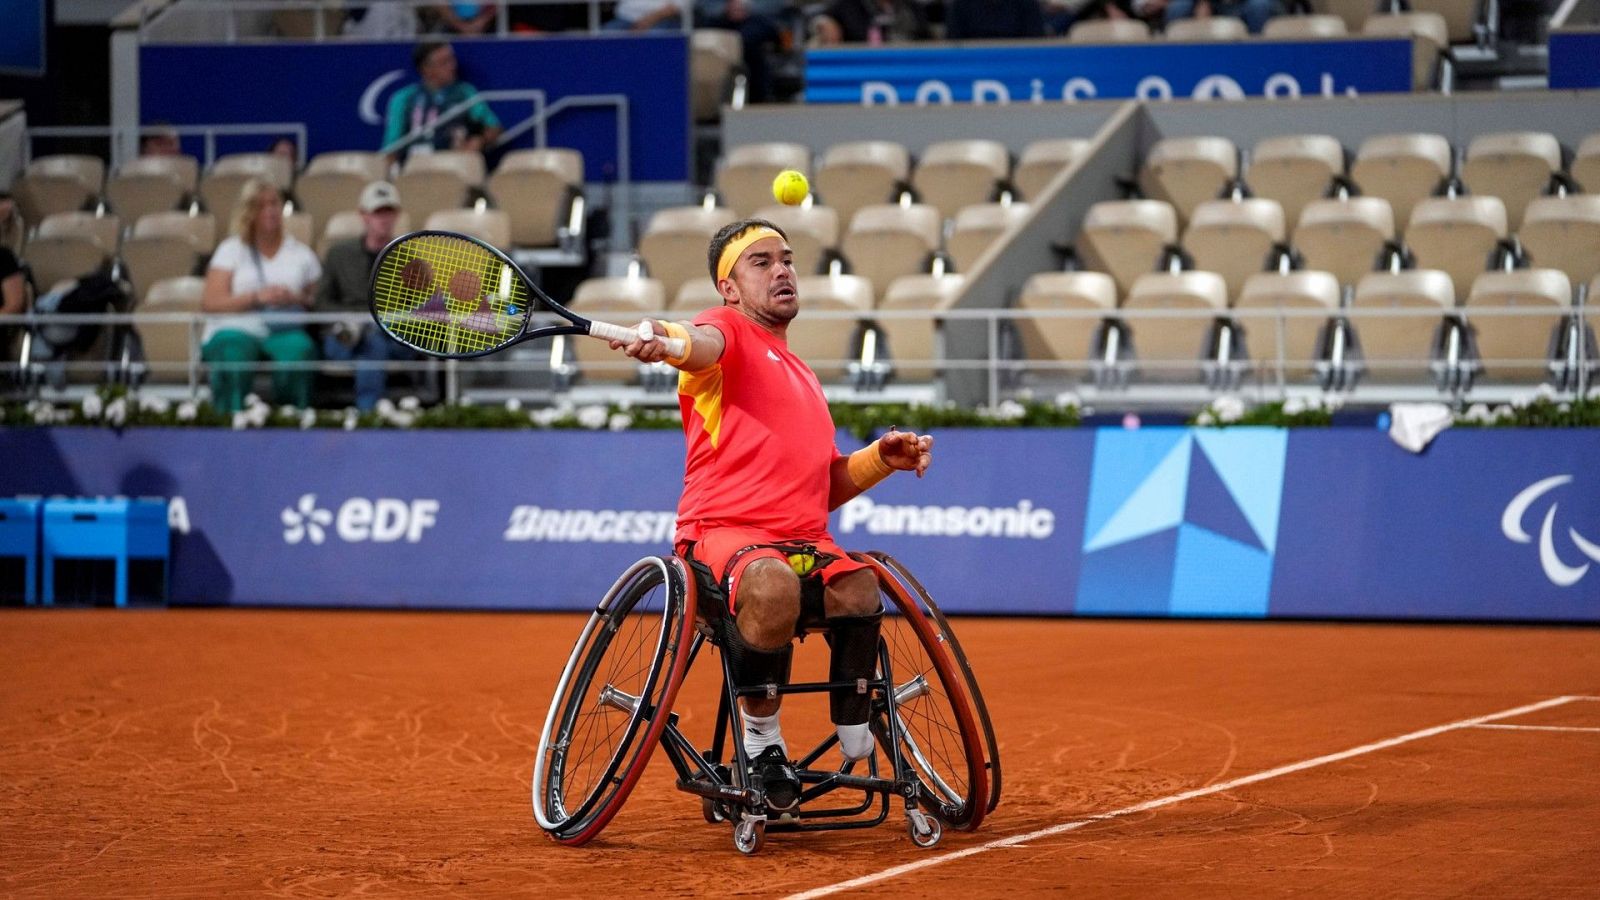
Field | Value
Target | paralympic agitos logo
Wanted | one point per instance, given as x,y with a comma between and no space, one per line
1511,525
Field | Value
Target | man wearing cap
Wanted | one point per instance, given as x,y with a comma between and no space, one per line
346,287
761,475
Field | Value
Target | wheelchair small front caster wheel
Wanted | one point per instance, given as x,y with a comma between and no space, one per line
924,829
749,835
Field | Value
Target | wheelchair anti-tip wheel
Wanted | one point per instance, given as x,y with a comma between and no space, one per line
614,699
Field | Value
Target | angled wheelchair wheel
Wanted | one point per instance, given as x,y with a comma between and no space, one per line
947,637
937,728
614,699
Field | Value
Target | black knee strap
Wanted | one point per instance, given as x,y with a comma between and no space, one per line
752,666
854,640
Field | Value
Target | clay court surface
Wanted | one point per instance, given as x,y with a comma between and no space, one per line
308,754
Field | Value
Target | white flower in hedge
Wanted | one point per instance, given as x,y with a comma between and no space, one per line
1008,411
252,400
593,417
513,404
1068,400
1228,408
1205,418
1504,411
544,416
1294,406
117,412
187,410
1593,395
619,422
62,416
351,417
1478,412
410,404
93,406
384,408
308,418
287,411
402,419
241,420
154,403
44,414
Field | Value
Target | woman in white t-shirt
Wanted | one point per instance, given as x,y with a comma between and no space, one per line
259,277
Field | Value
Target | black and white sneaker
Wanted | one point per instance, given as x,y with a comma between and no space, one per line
773,775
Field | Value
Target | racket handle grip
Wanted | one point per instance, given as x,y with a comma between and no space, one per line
609,332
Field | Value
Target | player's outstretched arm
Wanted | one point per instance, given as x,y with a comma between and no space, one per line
703,345
897,451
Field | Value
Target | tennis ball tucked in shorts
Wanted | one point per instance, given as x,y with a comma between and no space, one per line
790,187
802,563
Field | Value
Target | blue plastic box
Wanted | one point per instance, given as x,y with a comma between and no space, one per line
119,530
19,539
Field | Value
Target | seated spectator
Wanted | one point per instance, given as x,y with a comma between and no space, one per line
644,15
160,140
258,274
757,24
1062,13
464,18
288,149
1255,13
383,19
970,19
870,22
346,287
418,106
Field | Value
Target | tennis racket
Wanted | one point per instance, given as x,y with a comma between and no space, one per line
454,296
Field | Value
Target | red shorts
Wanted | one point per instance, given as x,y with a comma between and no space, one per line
718,545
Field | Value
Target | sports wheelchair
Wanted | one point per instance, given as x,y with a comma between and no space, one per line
613,704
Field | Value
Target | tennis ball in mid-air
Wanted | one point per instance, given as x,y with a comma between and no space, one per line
790,187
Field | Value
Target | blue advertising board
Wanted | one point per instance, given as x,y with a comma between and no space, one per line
1239,522
341,92
22,38
1575,60
1052,73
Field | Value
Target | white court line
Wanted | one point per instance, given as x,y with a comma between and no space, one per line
1536,728
1169,800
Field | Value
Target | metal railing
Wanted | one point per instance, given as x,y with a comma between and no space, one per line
120,143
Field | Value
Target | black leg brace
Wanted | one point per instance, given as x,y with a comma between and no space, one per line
752,666
854,640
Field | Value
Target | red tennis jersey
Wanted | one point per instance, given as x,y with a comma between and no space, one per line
760,438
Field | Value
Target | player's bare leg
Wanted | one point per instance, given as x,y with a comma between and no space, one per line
854,615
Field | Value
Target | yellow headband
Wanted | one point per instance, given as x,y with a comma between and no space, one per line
737,246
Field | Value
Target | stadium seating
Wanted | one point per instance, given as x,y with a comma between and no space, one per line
149,184
715,64
1459,17
1294,170
1456,235
1564,233
888,240
347,224
1234,238
220,187
826,344
1300,304
862,173
1188,171
1311,25
744,179
169,347
1353,13
1400,348
1041,160
1065,339
1402,169
1429,35
1108,31
1344,237
1586,164
673,245
951,175
912,341
298,226
1210,28
1165,348
624,299
536,189
58,184
695,295
166,245
1513,165
813,233
1126,238
1516,348
492,226
332,182
71,245
432,182
978,226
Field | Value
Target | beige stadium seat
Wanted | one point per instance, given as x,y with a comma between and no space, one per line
1344,237
1516,348
492,226
1283,315
1312,25
1109,31
432,182
219,189
298,226
170,348
1294,170
1564,233
1167,348
976,227
348,224
165,245
1211,28
71,245
1353,13
1126,238
1586,164
912,344
1400,348
955,174
862,173
150,184
695,295
1456,235
1402,169
673,246
714,56
1065,339
1234,238
826,344
1042,160
1513,165
324,22
1188,171
1430,38
1459,17
744,179
886,241
535,188
332,183
620,301
813,233
58,184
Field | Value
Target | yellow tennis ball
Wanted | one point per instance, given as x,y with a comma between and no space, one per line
790,187
802,563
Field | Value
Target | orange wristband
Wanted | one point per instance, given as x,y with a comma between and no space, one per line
866,467
675,330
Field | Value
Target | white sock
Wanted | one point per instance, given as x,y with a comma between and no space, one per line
761,732
855,741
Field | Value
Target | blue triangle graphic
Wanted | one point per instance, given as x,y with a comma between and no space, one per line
1210,504
1250,462
1123,459
1156,504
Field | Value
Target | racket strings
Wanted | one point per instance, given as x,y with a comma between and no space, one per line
447,295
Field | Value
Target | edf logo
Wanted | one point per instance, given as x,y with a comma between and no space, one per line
381,521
